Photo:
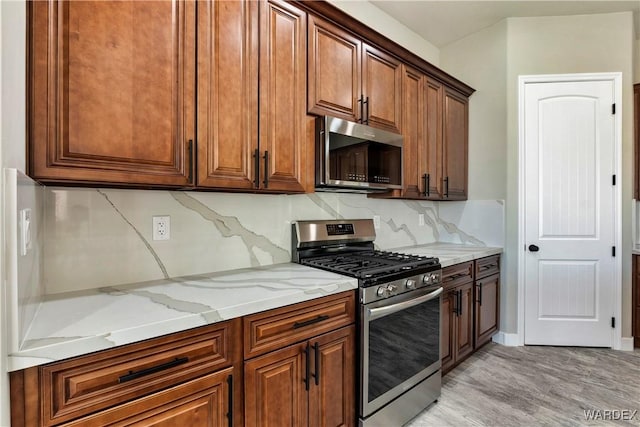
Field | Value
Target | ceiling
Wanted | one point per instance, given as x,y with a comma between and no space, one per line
442,22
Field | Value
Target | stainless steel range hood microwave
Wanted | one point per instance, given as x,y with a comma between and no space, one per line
354,157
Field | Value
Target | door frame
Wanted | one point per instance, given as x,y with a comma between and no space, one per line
616,78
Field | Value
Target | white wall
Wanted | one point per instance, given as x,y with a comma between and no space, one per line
12,147
636,62
490,61
558,45
383,23
480,60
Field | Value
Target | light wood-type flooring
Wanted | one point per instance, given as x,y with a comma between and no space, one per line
539,386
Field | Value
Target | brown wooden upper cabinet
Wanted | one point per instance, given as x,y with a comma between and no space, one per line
241,146
434,128
351,79
112,94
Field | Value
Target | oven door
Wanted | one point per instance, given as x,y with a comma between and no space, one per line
400,345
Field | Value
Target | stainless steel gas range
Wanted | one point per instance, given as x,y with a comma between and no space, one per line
399,316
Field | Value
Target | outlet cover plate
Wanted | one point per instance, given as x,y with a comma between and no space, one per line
161,227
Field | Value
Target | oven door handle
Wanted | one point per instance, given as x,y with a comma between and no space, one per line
376,313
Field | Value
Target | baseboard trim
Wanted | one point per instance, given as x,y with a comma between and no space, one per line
503,338
626,344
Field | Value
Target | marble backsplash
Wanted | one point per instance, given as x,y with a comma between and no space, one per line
102,237
24,270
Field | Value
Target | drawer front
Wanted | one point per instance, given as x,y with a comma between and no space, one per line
274,329
457,274
487,266
87,384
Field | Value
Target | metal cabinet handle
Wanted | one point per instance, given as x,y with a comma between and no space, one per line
190,149
446,187
361,102
316,348
460,303
266,169
316,319
367,114
256,168
479,285
148,371
230,407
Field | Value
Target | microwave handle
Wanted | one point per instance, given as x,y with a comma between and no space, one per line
375,313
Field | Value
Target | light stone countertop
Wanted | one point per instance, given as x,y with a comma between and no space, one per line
77,323
450,253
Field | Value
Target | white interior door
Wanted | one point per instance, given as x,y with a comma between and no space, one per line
570,213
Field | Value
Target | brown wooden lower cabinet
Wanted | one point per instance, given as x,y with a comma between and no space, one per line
309,383
457,325
487,307
300,367
470,312
636,301
201,402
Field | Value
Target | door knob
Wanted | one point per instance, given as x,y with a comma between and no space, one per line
534,248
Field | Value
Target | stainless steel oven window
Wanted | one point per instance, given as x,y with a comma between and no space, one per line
400,345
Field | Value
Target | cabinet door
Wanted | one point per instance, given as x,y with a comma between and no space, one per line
635,325
382,89
487,308
287,153
464,326
274,392
111,92
203,402
455,146
431,158
334,86
636,125
413,126
332,392
227,94
448,329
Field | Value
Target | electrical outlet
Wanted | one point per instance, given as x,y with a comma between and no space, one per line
25,231
162,227
421,220
376,221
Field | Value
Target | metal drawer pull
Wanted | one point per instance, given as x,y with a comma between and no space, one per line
455,276
310,321
134,375
487,267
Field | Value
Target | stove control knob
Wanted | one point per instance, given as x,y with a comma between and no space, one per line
391,289
426,279
434,278
410,284
381,291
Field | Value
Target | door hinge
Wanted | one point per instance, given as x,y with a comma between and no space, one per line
614,180
613,251
613,322
613,108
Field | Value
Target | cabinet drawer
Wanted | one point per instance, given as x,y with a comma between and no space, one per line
87,384
457,274
487,266
281,327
